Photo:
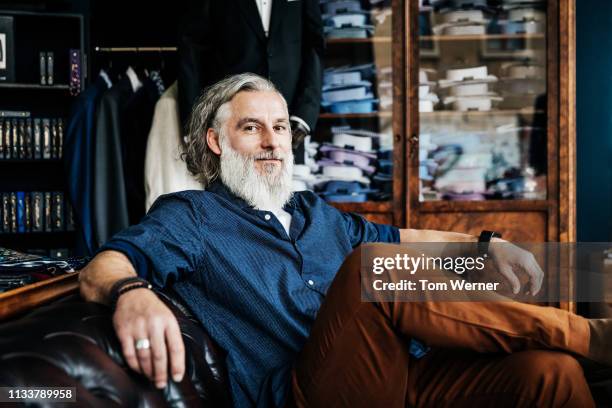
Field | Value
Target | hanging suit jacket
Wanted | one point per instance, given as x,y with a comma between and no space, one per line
226,37
165,171
78,161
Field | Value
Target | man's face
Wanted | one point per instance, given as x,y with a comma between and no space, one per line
258,126
254,144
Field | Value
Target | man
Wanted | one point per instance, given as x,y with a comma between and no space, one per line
265,273
281,40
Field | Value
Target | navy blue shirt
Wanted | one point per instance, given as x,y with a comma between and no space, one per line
255,289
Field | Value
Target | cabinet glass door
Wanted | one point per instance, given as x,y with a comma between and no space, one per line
349,159
482,100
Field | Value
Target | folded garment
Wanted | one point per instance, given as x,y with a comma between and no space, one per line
472,103
349,19
345,191
342,6
353,161
364,31
524,71
356,106
523,27
349,92
462,16
332,171
470,4
352,142
461,28
332,148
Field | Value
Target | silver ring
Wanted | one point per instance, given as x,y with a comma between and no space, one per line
143,344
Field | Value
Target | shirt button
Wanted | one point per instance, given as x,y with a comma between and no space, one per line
310,282
267,217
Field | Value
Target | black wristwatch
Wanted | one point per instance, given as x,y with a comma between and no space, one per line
484,240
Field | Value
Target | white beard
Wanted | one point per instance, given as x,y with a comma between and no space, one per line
262,191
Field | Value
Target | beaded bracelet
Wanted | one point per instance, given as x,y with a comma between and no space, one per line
125,285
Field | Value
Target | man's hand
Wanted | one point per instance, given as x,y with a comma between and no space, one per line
509,258
140,314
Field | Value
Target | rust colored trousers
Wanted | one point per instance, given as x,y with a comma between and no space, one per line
501,354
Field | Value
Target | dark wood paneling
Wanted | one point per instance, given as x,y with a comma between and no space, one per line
400,86
514,226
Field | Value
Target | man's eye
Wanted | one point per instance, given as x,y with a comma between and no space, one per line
250,128
280,128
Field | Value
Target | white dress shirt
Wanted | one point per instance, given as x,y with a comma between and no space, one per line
265,11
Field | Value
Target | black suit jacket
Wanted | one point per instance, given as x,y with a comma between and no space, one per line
225,37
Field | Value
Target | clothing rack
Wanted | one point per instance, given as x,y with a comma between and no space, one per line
135,49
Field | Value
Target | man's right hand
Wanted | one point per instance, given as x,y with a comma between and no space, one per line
140,314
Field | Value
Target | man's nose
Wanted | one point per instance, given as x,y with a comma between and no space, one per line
270,139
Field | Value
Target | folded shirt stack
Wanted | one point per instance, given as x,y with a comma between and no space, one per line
470,21
427,98
469,89
349,89
522,84
346,19
354,168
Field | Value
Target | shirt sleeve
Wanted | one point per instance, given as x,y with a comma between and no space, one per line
166,244
361,231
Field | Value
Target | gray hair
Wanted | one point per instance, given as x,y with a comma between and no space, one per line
211,111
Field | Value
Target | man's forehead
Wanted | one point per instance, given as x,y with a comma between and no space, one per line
259,103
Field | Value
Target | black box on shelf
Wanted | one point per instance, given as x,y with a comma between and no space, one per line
57,215
20,197
50,68
1,215
58,142
29,139
46,139
22,138
7,49
37,212
14,139
47,208
2,120
43,67
37,138
6,212
13,211
28,212
8,138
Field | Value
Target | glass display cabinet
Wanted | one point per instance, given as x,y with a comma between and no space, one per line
462,109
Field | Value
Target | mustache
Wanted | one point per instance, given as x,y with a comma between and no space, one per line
269,155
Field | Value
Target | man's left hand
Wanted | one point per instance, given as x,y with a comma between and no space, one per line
510,258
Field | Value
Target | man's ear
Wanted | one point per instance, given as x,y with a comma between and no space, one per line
212,139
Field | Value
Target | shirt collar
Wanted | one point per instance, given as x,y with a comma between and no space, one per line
221,189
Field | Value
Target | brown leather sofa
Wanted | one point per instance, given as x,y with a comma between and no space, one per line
71,343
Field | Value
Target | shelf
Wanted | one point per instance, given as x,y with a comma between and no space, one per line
384,114
34,86
371,40
482,37
483,206
30,162
366,207
499,112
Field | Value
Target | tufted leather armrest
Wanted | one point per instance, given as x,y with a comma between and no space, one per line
72,343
